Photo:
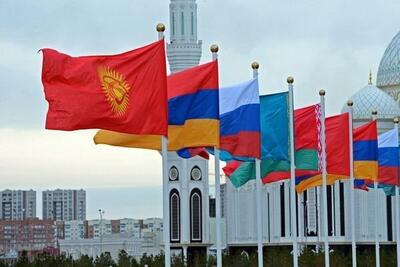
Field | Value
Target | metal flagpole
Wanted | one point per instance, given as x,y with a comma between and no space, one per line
397,206
290,81
324,180
255,67
214,50
377,254
352,222
164,153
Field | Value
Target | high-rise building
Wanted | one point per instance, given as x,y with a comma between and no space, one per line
17,204
64,205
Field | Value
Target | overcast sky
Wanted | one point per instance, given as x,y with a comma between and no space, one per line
323,44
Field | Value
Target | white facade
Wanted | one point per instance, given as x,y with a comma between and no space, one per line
153,225
17,204
64,205
100,227
241,215
188,198
74,230
113,244
130,227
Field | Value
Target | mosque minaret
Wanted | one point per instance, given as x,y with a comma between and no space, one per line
188,196
184,50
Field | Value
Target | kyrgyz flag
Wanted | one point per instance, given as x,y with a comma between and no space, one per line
125,92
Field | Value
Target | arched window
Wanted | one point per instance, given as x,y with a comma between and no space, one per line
195,216
174,213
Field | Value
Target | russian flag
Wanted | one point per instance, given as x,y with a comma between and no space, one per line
388,157
239,109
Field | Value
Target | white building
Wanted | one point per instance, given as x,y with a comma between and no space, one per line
98,228
17,204
64,205
113,244
130,227
153,224
74,230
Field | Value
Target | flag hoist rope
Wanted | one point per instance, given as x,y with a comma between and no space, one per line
164,154
255,67
290,81
214,50
324,181
376,193
352,222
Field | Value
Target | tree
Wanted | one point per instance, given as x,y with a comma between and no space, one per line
124,259
23,260
105,260
84,261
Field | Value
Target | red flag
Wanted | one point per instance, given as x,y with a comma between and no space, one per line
124,93
337,153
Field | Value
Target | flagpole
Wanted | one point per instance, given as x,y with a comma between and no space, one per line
255,67
397,206
290,81
352,222
214,50
164,152
324,180
377,254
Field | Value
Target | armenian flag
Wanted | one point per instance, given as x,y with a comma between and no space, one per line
193,113
365,151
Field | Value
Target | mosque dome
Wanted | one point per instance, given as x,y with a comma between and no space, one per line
389,67
371,98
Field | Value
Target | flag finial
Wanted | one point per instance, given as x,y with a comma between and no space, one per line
370,77
255,65
322,92
290,80
396,120
350,103
214,48
160,27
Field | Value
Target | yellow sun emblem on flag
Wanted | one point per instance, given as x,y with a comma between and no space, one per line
116,89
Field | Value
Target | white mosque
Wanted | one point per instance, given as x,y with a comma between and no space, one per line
191,227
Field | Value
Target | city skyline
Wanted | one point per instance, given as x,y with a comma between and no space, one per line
335,54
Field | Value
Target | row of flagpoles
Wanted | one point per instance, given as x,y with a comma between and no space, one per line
98,92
